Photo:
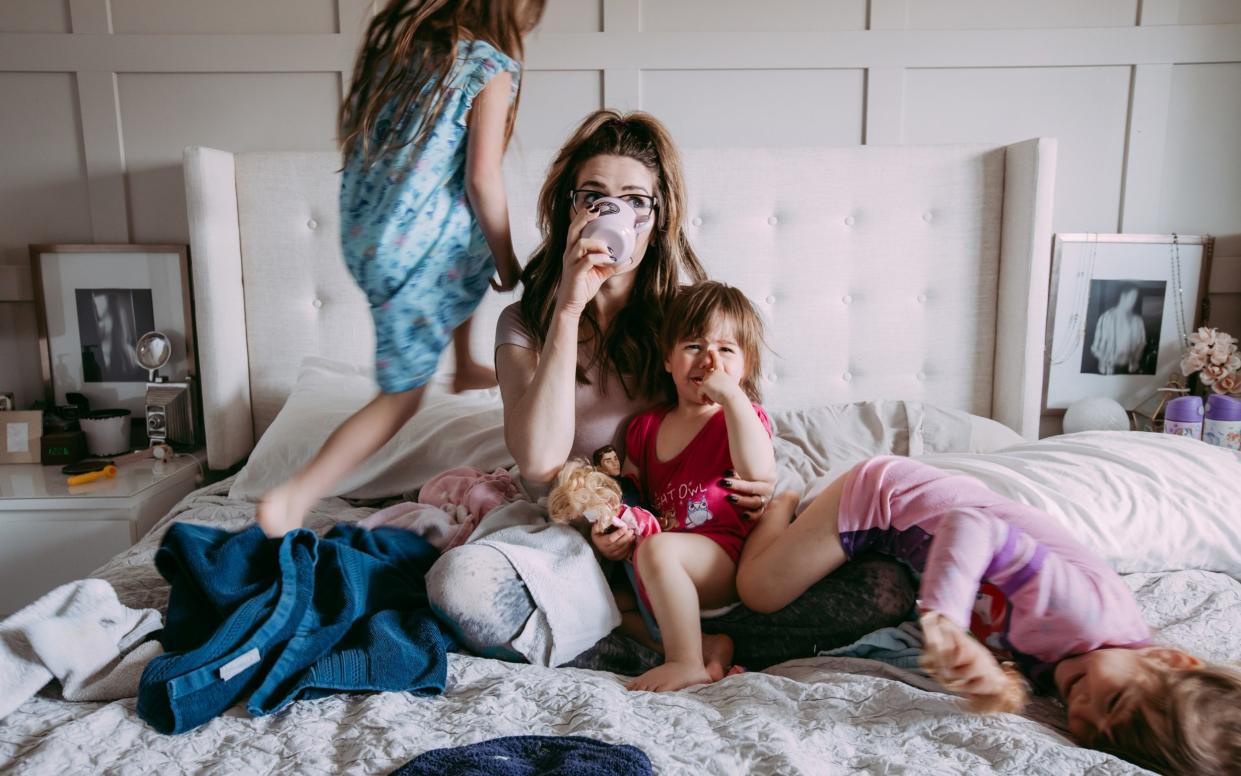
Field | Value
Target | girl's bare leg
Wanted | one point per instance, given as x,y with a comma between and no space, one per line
285,507
781,560
683,573
469,374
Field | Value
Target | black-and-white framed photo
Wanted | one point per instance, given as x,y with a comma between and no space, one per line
1120,311
94,302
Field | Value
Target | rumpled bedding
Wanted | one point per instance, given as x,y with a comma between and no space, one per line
818,715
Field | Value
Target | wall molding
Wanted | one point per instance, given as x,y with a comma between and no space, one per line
1067,47
622,86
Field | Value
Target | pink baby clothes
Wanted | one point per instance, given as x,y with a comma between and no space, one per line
468,487
439,527
1062,599
450,506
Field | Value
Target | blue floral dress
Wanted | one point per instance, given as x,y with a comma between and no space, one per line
409,236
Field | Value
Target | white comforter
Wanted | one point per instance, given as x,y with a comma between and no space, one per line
820,715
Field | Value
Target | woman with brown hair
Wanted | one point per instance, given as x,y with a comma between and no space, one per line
576,359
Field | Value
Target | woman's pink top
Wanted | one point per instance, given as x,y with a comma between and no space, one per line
603,409
1005,570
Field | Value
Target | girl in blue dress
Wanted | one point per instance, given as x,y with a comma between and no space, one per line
423,210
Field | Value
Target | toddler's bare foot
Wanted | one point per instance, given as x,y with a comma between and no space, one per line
472,376
964,666
281,510
671,676
717,655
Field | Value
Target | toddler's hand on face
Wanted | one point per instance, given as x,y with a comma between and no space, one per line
718,387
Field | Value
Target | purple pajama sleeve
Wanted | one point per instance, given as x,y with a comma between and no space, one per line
956,534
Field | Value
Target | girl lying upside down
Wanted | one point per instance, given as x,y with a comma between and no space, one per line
1063,615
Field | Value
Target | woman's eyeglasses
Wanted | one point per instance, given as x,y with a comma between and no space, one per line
642,204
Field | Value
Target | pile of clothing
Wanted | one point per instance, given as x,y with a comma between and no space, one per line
275,620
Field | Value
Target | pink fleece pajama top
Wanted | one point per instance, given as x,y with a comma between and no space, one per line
1005,570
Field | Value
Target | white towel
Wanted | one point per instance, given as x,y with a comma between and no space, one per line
574,604
81,635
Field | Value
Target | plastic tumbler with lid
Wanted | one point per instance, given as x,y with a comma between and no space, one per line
1223,422
1182,416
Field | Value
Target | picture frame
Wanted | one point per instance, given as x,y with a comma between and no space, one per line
93,303
1120,309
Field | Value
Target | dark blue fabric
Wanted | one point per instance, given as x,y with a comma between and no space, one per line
531,756
297,617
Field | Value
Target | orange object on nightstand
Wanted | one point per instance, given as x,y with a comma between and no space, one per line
83,479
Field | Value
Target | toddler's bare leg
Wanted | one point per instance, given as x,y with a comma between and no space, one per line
682,573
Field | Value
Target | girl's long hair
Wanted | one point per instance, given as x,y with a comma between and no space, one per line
411,44
630,347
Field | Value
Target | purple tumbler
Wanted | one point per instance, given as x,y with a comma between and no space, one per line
1223,423
1182,416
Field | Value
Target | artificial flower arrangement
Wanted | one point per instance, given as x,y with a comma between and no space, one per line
1213,357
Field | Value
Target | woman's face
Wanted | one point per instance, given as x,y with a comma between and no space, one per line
616,176
1128,300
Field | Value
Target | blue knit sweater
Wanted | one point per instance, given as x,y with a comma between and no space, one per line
297,617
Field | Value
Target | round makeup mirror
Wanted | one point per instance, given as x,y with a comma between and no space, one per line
154,350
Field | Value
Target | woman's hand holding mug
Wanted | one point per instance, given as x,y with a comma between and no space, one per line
587,266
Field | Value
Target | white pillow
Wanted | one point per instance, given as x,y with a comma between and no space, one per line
1144,502
448,431
816,444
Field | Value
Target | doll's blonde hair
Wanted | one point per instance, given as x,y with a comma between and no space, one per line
583,491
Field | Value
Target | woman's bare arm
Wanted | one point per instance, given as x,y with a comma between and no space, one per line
539,390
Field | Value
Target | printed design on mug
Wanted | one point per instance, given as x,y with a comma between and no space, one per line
697,512
606,207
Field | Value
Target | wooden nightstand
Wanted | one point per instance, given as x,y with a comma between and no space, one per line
51,534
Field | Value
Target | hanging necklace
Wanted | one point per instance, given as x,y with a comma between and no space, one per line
1081,299
1182,328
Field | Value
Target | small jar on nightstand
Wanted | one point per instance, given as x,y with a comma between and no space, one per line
52,533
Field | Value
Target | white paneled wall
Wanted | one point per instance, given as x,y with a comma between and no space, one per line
1144,96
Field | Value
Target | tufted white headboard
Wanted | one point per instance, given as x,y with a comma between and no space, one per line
883,272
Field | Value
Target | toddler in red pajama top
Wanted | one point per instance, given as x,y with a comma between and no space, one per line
712,340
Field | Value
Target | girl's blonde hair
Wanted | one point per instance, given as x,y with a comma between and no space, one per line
411,45
696,307
1186,721
630,345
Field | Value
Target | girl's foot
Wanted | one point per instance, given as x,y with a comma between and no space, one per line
671,676
717,655
281,510
471,376
963,665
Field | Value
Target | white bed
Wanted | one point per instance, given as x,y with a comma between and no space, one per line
898,273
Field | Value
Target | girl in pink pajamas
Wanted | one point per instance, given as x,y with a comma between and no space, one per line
1011,575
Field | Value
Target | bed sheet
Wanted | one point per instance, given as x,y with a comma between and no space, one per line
818,715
